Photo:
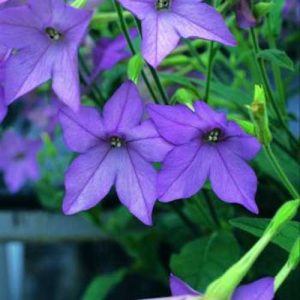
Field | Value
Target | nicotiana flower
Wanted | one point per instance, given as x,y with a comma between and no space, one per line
207,146
4,52
164,22
108,52
244,16
262,289
116,148
18,160
45,36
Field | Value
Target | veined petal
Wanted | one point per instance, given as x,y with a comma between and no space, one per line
242,144
82,130
146,140
33,68
65,82
89,179
202,21
19,27
141,8
262,289
177,124
184,171
3,107
232,179
179,287
124,109
136,185
159,37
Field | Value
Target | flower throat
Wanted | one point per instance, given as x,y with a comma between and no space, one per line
53,33
213,136
162,4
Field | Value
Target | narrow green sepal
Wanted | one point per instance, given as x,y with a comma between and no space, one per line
79,3
135,67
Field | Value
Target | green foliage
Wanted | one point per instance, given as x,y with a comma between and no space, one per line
203,260
256,226
135,67
102,285
277,57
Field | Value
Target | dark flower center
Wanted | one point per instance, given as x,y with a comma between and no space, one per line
162,4
116,142
19,156
53,34
213,136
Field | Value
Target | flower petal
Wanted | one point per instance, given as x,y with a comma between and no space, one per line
146,140
242,144
3,107
202,21
232,179
89,179
159,37
34,68
262,289
179,287
124,109
19,27
82,130
136,185
65,82
184,171
177,124
141,8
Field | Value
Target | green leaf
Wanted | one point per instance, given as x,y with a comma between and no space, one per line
135,67
277,57
257,226
205,259
101,286
263,8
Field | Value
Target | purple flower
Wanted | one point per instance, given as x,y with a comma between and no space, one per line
45,36
4,53
262,289
108,52
18,160
206,146
244,16
115,149
164,22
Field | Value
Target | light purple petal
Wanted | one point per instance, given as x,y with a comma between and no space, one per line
179,287
18,27
141,8
159,37
184,297
82,130
244,16
145,140
177,124
89,178
34,68
14,177
242,144
3,107
124,109
200,20
262,289
207,114
66,78
136,185
232,179
184,171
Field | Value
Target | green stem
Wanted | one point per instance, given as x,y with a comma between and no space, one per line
212,209
195,54
284,179
153,72
209,71
125,31
267,86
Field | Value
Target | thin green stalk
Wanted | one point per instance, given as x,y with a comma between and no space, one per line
195,54
209,71
125,31
212,209
153,72
267,86
284,179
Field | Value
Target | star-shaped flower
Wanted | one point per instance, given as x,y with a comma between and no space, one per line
206,146
164,22
45,36
115,148
262,289
18,160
